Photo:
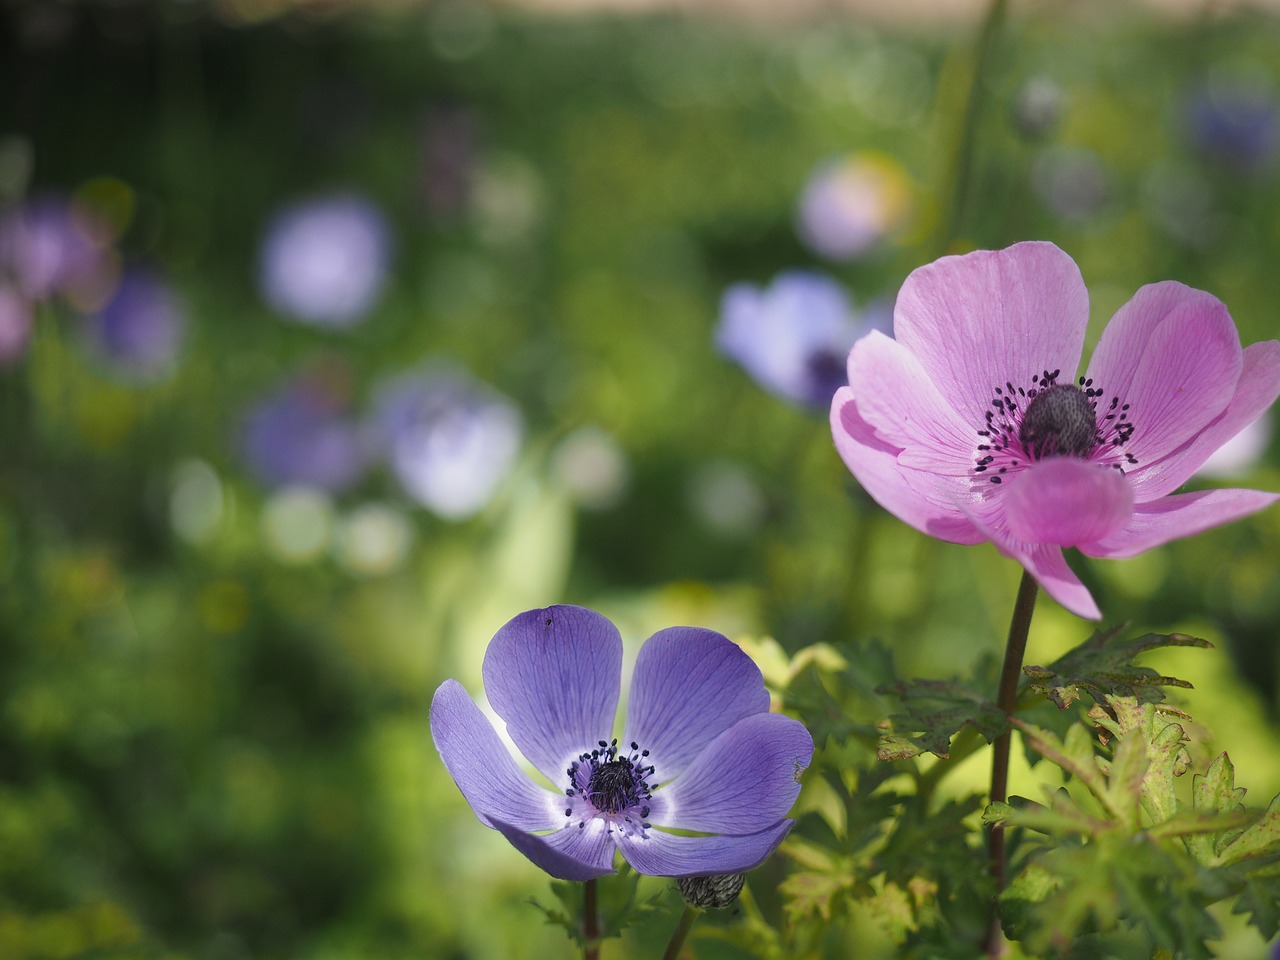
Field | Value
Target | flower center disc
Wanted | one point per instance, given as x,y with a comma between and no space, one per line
1060,421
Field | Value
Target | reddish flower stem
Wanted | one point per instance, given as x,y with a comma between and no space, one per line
590,921
1006,698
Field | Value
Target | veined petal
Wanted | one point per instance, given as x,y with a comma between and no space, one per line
554,676
745,780
568,854
689,685
484,771
1179,515
662,855
1173,354
926,501
1065,501
1257,389
897,398
986,318
1044,561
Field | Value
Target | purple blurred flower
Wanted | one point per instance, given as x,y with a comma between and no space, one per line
962,428
303,435
449,439
1235,120
50,246
851,203
139,331
324,260
700,750
15,324
793,336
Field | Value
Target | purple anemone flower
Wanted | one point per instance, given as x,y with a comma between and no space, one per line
851,203
700,751
324,261
450,440
139,331
792,336
970,426
50,246
302,435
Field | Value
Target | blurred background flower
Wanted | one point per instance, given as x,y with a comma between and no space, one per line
450,440
303,434
324,260
51,246
138,332
794,335
851,204
1233,118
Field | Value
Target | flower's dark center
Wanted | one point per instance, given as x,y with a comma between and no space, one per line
605,784
827,372
1059,422
1051,419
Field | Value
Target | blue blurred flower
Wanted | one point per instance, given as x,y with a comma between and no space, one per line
449,439
1234,119
851,203
51,246
303,434
324,260
793,336
139,331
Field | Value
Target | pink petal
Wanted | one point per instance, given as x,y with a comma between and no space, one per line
986,318
1179,515
1044,561
483,769
1173,354
1065,501
906,410
926,501
1257,389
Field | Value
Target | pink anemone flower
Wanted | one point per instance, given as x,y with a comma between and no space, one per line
970,425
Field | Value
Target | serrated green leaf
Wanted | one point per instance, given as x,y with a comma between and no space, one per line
1061,818
1128,770
935,711
1260,900
814,893
1259,839
1074,754
1103,665
1215,792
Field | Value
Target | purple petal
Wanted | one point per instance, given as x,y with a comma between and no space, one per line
1179,515
1257,389
896,396
479,763
745,780
663,855
554,676
1173,354
979,320
569,853
1065,501
926,501
689,686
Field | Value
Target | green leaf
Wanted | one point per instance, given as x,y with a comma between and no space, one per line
1215,792
1103,665
618,904
1259,839
1260,899
935,710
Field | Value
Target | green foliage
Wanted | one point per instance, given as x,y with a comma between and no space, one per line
618,905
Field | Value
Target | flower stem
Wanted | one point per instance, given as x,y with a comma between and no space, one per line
681,931
1006,700
590,922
